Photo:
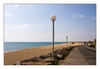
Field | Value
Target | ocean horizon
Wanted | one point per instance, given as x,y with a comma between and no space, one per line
13,46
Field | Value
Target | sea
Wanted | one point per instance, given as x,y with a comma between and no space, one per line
13,46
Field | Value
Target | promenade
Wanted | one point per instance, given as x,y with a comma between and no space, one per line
81,55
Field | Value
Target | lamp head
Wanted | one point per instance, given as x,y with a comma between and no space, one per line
53,17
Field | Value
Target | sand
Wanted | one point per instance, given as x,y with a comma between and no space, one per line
15,56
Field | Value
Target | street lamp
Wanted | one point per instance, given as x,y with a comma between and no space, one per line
66,41
53,18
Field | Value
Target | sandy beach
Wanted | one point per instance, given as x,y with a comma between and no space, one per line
15,56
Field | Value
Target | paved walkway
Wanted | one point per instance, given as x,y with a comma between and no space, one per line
75,58
89,54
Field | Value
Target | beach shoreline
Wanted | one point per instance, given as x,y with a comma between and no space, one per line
25,45
15,56
29,48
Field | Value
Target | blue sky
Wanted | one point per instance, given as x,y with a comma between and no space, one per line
31,22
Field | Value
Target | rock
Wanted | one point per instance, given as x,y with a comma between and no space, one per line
48,60
27,60
42,56
35,59
48,55
59,56
62,51
69,48
57,51
18,63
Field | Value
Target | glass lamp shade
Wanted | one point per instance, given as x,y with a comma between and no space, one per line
53,17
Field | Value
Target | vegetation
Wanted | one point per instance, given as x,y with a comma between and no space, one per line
72,42
92,43
84,43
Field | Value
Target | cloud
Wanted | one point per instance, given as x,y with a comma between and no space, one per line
34,25
16,5
12,27
78,15
24,26
91,19
40,24
81,15
9,15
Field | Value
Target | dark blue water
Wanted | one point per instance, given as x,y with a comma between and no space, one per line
10,46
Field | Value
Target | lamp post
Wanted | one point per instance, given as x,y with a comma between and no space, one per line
53,18
66,41
70,43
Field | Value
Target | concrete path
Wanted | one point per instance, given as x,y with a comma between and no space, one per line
75,58
89,54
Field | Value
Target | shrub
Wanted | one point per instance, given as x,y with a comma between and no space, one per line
93,45
72,42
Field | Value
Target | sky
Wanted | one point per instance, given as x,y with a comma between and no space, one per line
32,23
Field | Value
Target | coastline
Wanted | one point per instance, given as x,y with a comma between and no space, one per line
29,48
24,45
14,56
